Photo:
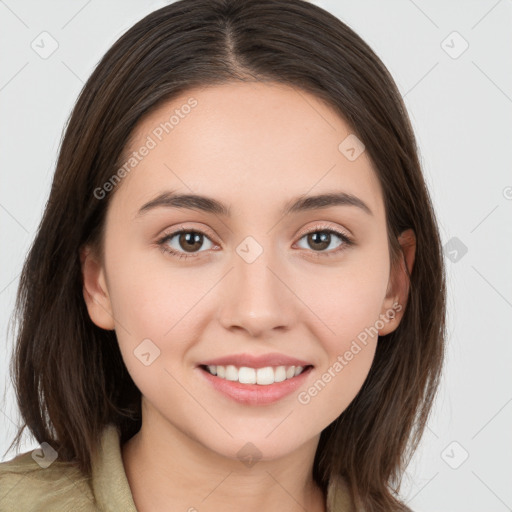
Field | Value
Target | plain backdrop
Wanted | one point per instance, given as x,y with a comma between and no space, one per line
451,61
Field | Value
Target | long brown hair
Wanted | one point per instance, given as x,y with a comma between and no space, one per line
69,377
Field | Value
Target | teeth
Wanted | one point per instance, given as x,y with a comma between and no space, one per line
280,374
231,372
247,375
263,376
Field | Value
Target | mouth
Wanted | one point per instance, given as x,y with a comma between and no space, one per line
264,376
254,381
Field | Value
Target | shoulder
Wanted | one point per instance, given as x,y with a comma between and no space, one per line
339,498
26,485
338,495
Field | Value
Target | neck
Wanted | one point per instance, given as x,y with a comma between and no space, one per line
165,468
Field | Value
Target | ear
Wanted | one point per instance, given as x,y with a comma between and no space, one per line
397,294
95,289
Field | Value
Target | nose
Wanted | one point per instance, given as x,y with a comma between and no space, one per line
258,297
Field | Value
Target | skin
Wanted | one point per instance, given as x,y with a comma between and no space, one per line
254,147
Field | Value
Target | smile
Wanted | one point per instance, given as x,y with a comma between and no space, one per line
255,386
263,376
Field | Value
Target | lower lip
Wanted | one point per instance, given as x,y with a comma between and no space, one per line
255,394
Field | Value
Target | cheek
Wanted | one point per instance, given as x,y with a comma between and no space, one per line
151,295
349,346
346,300
154,300
348,303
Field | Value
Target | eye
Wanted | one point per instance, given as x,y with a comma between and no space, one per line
322,238
183,242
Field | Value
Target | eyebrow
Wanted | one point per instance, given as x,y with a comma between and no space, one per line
206,204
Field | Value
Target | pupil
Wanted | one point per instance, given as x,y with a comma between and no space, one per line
321,238
191,239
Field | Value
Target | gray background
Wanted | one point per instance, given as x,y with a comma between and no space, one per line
460,104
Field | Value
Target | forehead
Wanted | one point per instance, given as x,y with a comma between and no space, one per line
242,142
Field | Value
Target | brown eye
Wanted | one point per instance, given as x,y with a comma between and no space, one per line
320,240
184,241
190,241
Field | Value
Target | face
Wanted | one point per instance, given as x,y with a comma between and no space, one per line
250,275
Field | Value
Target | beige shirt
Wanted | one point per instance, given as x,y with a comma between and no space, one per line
26,486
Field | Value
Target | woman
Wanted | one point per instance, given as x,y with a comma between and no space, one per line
236,295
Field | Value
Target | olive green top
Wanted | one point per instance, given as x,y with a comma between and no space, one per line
27,486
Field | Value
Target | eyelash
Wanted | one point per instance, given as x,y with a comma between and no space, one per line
347,242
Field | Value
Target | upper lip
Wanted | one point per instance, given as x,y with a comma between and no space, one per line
252,361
